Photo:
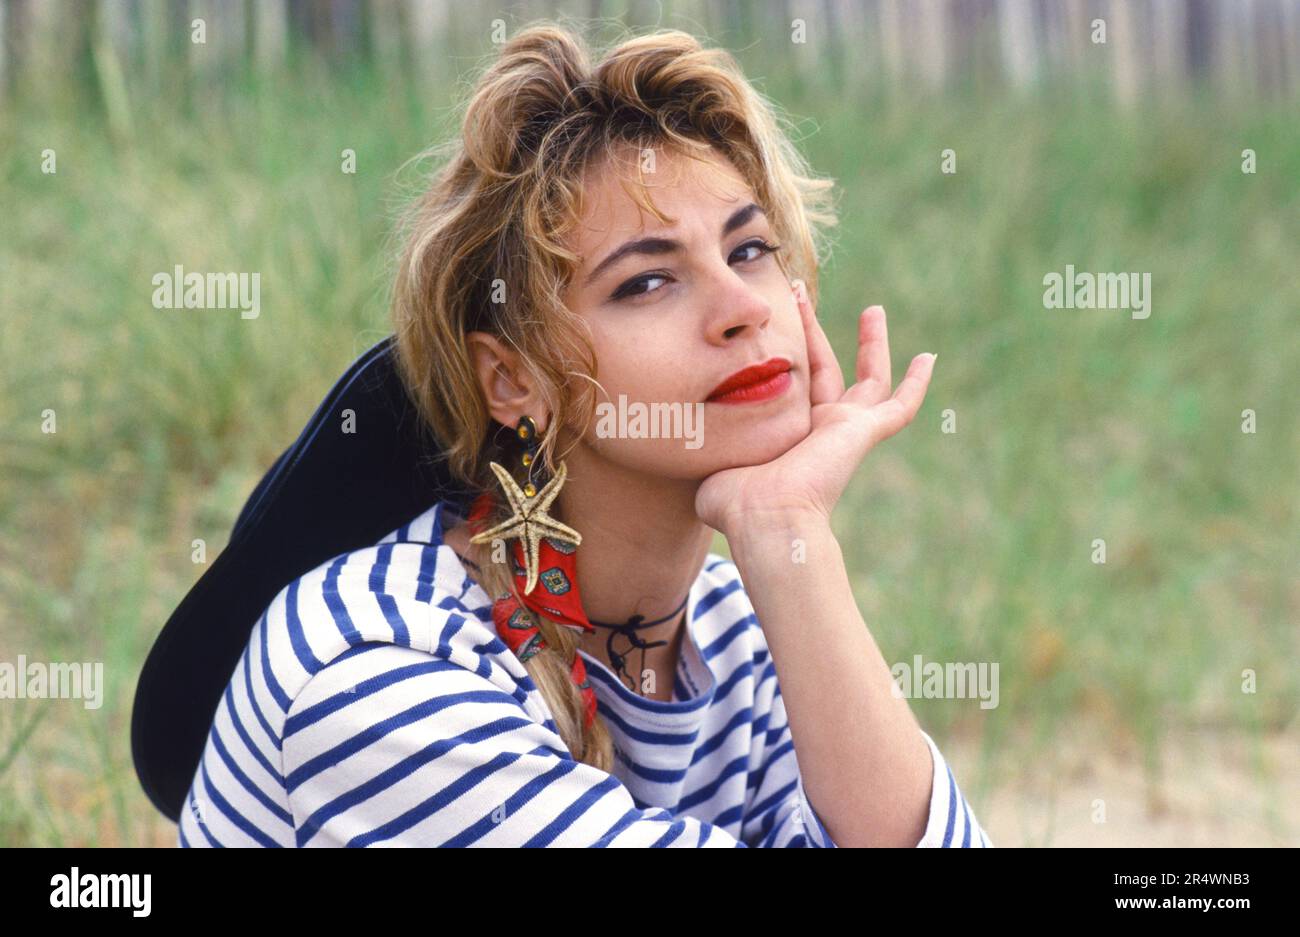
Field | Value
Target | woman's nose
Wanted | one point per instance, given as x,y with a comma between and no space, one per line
736,307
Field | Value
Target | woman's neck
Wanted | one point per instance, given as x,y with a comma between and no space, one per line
642,549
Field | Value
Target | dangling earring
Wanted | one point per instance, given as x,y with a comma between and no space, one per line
526,433
529,520
515,618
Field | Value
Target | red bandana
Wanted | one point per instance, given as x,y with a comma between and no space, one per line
557,599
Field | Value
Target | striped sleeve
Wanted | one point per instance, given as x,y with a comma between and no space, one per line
782,815
391,746
952,821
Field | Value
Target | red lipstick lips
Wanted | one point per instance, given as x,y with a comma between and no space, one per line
756,382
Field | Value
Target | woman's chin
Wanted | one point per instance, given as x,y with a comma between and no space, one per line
766,443
718,443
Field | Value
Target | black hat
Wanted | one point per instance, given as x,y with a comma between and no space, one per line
330,492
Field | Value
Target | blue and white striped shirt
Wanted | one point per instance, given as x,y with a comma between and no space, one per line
375,705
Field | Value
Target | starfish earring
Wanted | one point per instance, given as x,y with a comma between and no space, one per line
529,520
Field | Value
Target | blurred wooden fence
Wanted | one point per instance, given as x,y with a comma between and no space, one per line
1231,47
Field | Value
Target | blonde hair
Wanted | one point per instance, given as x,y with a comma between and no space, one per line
493,222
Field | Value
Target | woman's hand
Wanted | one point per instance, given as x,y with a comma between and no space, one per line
808,479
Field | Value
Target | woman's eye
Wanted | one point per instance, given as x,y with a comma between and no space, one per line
629,288
761,246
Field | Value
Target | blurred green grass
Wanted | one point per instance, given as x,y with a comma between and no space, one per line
974,546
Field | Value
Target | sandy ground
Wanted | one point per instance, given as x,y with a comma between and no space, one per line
1206,788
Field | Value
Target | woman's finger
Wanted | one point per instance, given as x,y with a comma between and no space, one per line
891,415
826,381
873,356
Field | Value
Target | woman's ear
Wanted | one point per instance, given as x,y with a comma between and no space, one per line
508,386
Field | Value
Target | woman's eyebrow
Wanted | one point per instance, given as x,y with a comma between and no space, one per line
658,245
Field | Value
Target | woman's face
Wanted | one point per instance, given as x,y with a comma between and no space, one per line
676,310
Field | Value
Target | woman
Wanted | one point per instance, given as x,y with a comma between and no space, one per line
561,660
